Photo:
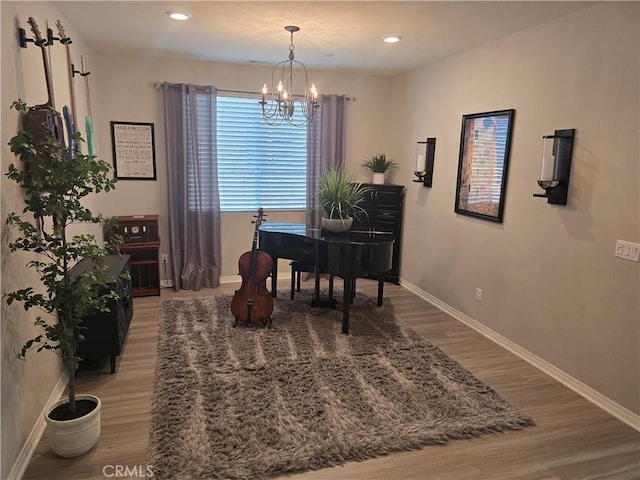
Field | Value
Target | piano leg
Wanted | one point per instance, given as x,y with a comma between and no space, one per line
346,303
331,289
274,277
316,286
380,288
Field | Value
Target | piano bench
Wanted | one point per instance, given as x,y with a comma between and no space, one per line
299,267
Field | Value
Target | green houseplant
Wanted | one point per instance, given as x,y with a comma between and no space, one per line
379,165
55,179
340,199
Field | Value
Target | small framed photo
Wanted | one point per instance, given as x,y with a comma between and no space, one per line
134,152
482,167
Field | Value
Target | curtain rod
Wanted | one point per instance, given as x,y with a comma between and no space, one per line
158,84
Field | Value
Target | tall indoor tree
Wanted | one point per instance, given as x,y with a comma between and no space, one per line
55,179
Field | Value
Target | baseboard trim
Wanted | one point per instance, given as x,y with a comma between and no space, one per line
595,397
21,463
225,279
237,278
230,279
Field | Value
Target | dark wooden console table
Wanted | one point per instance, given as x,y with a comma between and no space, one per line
105,332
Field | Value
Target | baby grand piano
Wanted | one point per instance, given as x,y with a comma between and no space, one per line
347,255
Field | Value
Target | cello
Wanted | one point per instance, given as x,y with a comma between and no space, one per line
253,303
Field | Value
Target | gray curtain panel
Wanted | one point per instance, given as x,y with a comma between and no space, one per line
325,148
194,202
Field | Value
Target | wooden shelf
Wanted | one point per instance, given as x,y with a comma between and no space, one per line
143,262
142,243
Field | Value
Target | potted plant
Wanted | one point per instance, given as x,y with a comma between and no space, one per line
379,165
55,180
340,199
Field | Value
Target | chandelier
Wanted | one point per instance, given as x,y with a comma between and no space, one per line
280,104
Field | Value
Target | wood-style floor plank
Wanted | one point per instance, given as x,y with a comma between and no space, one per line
573,439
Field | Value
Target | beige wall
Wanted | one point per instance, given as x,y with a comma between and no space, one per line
26,386
550,281
125,94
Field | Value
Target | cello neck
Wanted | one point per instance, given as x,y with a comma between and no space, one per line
254,245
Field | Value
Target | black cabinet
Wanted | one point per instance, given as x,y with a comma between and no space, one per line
105,332
384,207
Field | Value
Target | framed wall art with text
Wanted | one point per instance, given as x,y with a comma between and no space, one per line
134,153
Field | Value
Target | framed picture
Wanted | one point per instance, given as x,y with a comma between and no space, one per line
134,152
483,162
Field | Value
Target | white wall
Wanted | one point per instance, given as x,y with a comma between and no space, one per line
550,280
26,386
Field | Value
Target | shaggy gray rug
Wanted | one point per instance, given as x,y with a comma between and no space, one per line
246,403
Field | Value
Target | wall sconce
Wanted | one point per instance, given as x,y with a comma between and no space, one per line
425,157
557,150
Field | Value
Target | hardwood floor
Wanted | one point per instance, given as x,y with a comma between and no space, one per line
573,439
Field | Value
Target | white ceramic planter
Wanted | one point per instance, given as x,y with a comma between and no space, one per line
378,178
72,438
337,225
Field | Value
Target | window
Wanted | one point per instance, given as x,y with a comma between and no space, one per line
258,165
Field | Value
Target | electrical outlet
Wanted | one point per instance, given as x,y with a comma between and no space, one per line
479,294
627,250
164,258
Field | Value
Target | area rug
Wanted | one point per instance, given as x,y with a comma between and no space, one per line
250,402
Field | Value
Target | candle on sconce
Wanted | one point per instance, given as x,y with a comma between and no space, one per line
421,156
424,161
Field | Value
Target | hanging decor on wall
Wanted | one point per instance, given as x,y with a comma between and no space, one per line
556,166
280,103
425,156
134,152
482,166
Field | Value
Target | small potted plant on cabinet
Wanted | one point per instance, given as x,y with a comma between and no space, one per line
340,199
55,180
379,165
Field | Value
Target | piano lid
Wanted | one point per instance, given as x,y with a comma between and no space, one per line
353,237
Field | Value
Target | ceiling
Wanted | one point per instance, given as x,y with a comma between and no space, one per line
333,35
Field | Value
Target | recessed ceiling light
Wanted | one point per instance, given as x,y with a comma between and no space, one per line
392,39
178,15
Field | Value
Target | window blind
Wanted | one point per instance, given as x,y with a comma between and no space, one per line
258,165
